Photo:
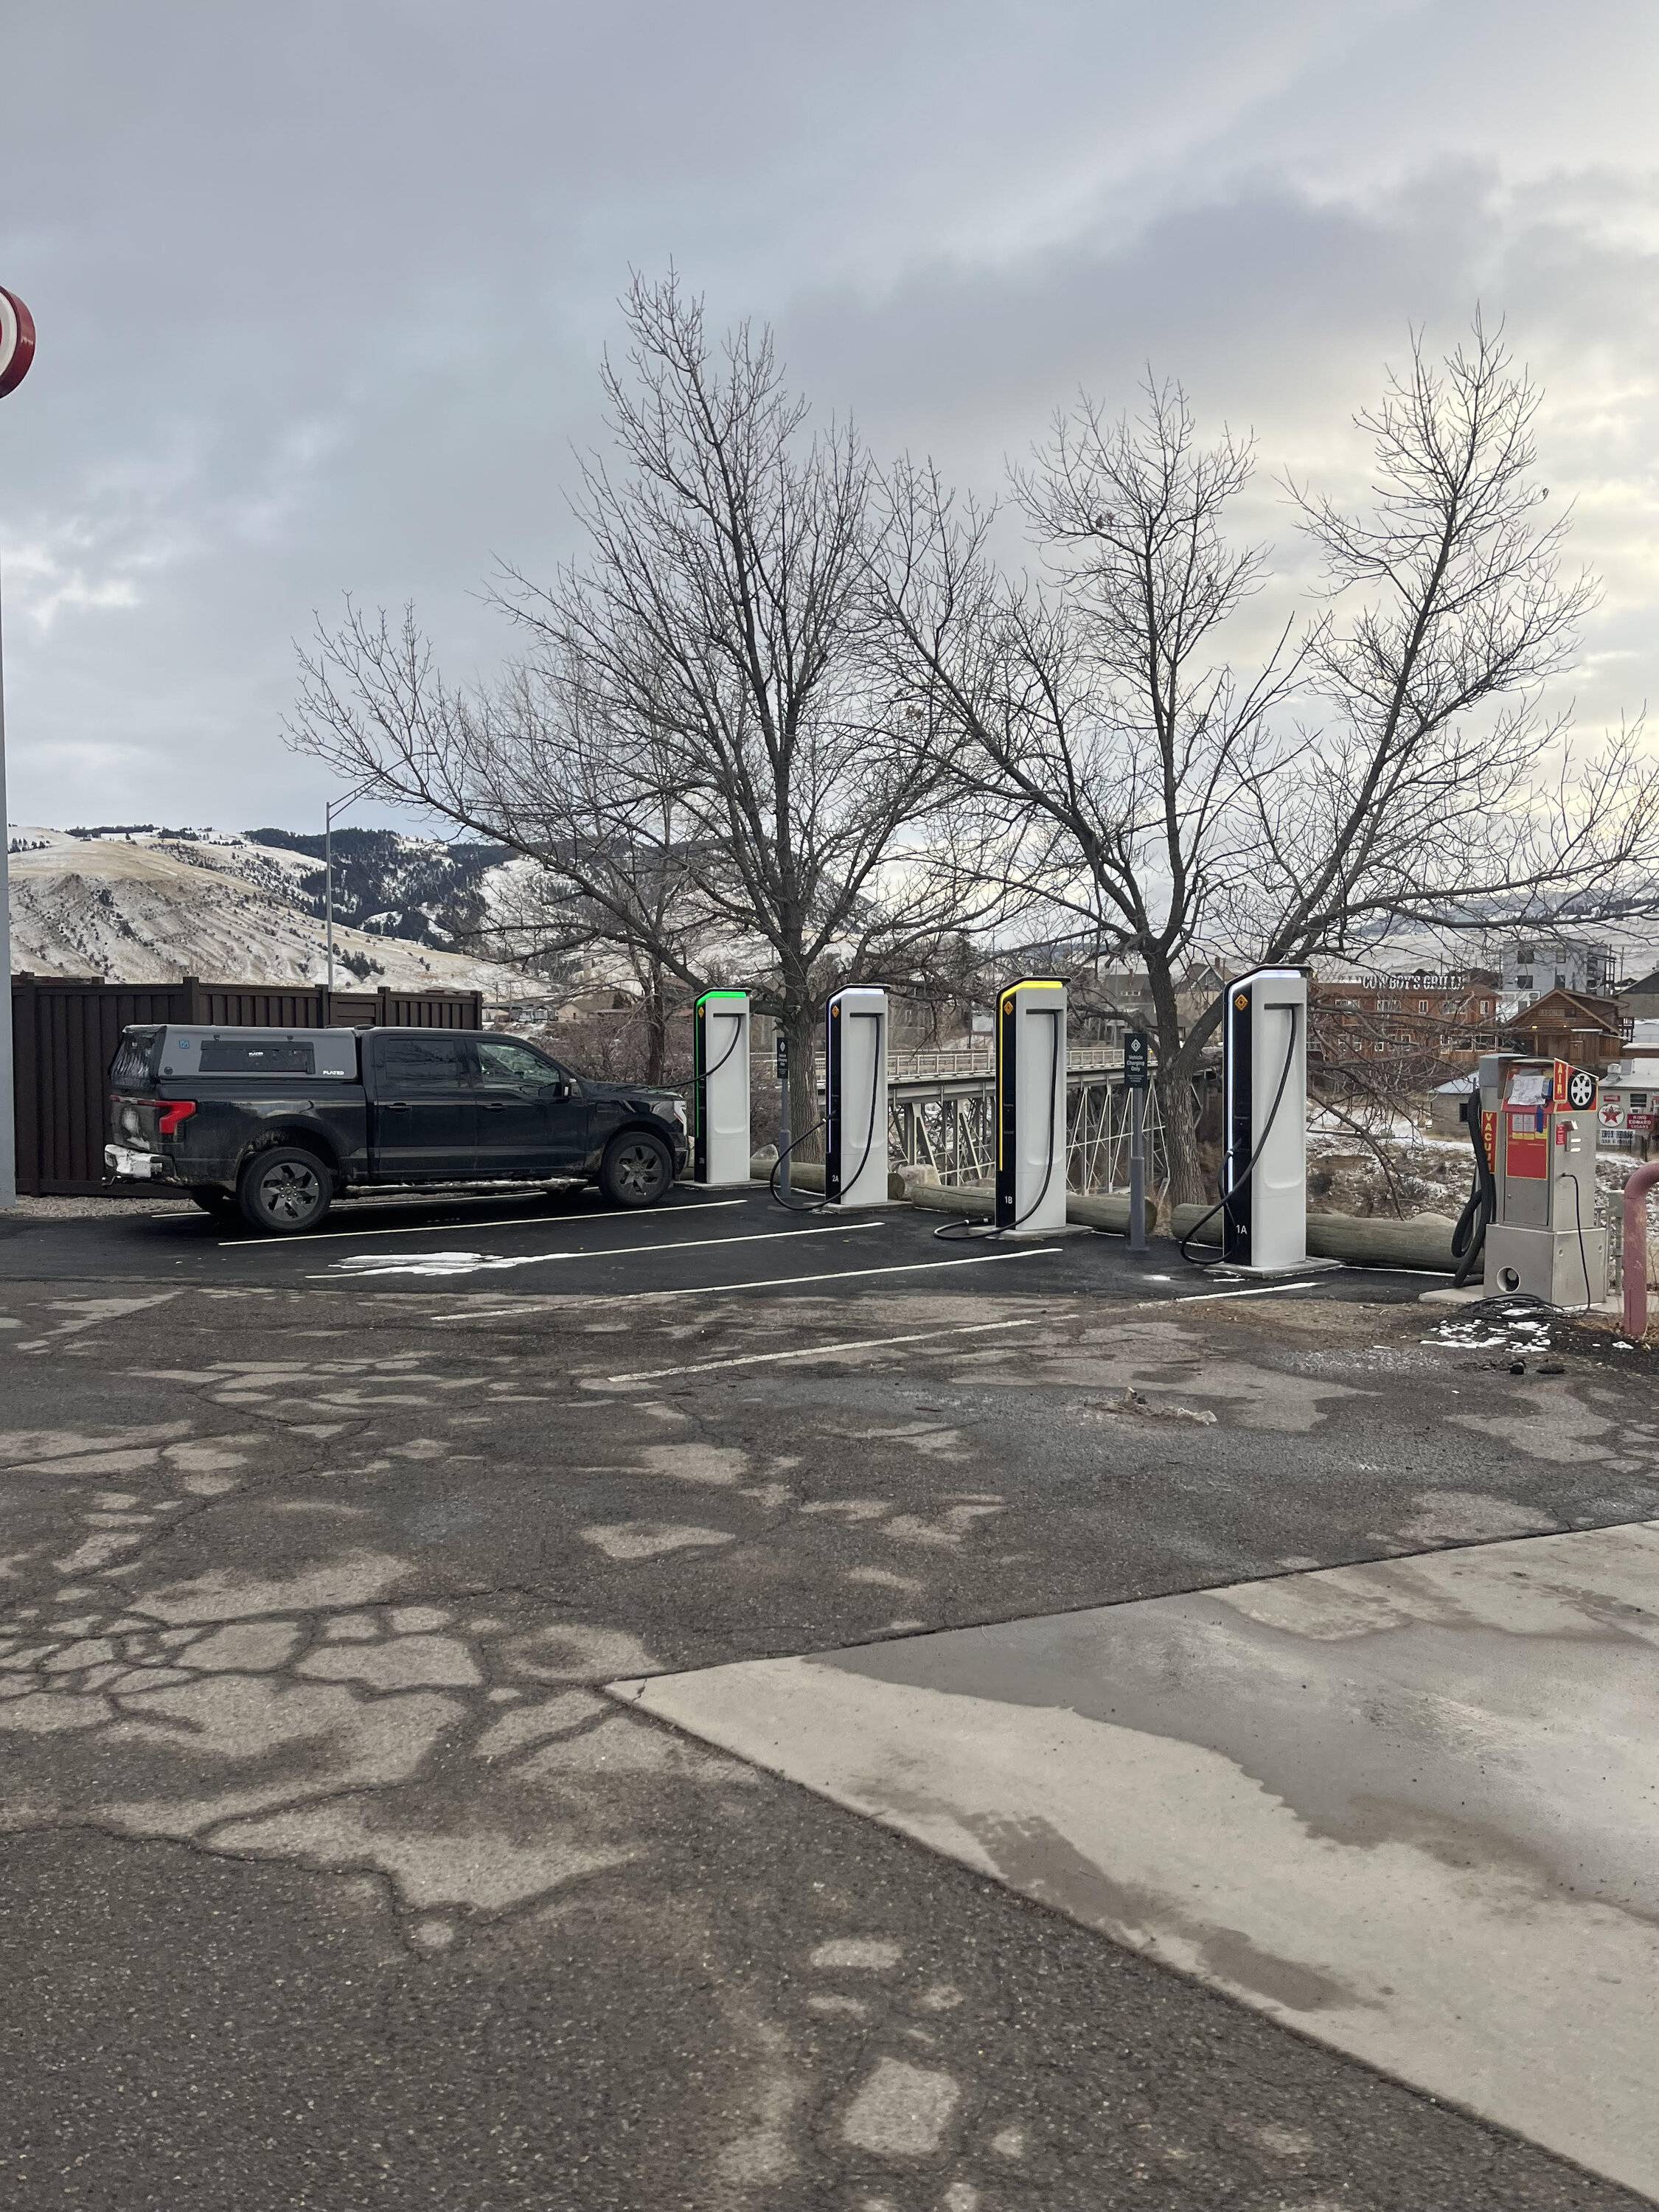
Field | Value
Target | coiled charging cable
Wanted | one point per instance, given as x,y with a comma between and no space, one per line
979,1232
1237,1184
818,1205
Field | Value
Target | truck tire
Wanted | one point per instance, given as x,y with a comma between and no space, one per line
212,1200
284,1191
637,1170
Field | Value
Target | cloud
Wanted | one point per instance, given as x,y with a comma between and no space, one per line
322,291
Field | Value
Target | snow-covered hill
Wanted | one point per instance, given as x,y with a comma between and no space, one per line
152,905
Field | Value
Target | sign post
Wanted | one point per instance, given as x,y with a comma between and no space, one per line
17,353
1135,1080
782,1055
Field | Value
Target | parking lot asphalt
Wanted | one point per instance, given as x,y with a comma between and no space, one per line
335,1877
529,1244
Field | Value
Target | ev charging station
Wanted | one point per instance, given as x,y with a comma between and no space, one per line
720,1064
1030,1108
855,1105
1264,1170
1539,1122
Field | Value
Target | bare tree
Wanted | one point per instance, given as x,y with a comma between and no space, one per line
1440,791
1380,764
698,745
537,767
1110,751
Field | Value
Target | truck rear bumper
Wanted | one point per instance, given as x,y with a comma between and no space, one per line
123,1164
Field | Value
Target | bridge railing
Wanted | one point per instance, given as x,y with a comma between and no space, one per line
947,1122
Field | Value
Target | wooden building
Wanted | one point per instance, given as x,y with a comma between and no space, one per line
1427,1021
1571,1025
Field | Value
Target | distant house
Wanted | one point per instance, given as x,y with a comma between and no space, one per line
1572,1025
1640,1000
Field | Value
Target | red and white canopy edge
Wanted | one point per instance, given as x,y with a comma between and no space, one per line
16,341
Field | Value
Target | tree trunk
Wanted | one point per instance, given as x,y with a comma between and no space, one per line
656,1028
801,1027
1184,1181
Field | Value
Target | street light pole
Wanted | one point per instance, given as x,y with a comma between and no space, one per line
328,895
16,352
332,807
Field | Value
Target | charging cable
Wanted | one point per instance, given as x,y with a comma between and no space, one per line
789,1205
1583,1254
1481,1206
737,1021
1231,1191
980,1233
700,1083
818,1205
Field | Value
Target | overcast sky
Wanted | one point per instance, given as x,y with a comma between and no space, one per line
321,288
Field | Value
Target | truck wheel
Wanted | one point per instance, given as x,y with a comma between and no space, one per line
211,1200
637,1169
284,1190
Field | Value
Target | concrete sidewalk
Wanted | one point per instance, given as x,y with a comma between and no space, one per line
1408,1807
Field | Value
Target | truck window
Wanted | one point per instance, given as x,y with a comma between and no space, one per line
423,1060
504,1060
129,1069
245,1056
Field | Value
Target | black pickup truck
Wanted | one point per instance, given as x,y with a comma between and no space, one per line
279,1123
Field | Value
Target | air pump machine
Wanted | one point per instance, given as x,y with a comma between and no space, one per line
1030,1108
855,1098
1264,1168
719,1088
1535,1196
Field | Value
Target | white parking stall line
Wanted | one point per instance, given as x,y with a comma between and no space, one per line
1197,1297
837,1275
469,1263
807,1351
433,1228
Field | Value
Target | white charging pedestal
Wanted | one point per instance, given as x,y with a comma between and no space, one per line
1264,1044
855,1109
1030,1108
720,1091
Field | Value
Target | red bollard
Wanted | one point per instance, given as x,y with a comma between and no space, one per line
1636,1249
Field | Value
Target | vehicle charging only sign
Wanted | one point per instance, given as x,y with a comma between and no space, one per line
1134,1059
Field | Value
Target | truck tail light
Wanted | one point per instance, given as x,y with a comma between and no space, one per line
180,1111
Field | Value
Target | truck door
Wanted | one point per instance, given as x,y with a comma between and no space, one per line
532,1118
424,1108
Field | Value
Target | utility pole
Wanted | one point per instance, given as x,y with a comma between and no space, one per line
16,352
328,893
333,806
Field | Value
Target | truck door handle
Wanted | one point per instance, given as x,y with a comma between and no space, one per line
494,1105
393,1106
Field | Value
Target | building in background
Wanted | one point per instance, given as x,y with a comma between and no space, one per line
1639,998
1407,1031
1528,967
1586,1030
1627,1109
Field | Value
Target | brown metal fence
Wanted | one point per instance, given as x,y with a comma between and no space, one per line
65,1032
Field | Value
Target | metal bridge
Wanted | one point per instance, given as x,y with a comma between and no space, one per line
946,1121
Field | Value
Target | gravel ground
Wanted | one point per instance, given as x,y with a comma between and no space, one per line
85,1209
